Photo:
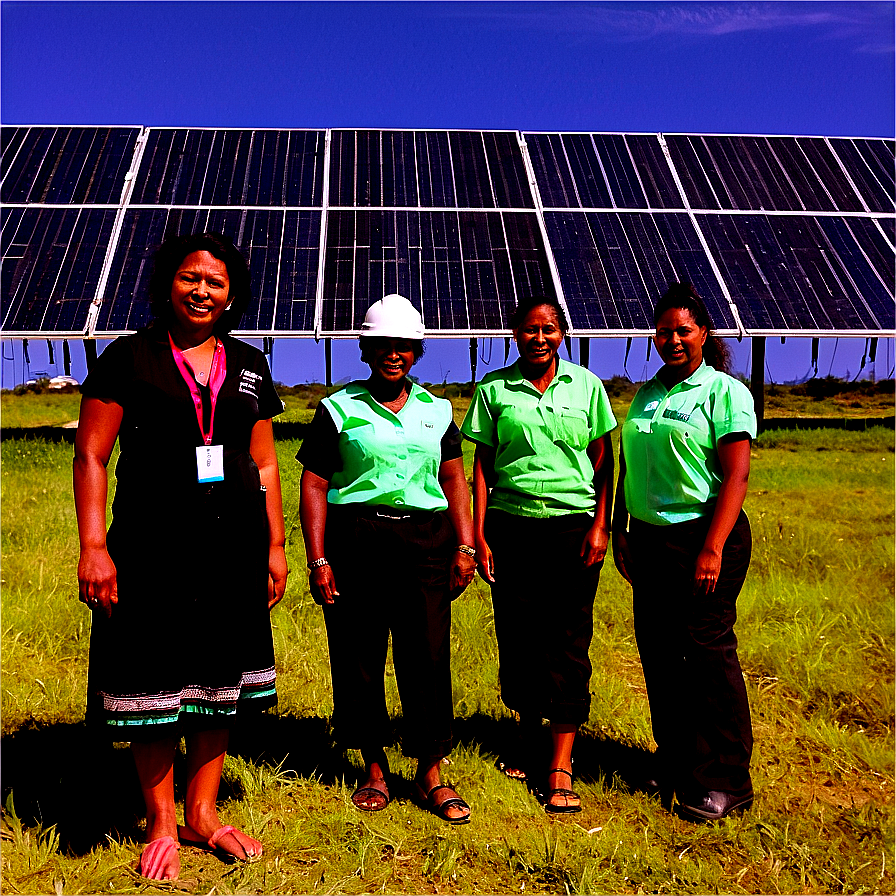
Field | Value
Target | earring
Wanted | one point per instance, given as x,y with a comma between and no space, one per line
227,306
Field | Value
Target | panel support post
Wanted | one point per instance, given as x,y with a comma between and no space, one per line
757,380
328,361
66,358
474,352
90,353
584,351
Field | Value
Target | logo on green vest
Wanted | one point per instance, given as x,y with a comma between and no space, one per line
676,415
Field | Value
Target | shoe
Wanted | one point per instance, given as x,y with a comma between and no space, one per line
211,845
368,795
713,805
440,809
549,807
156,856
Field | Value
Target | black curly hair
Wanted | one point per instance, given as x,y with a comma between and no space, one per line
169,257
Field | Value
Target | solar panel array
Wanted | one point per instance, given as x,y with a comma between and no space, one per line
789,235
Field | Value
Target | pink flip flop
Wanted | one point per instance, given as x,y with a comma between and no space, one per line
156,854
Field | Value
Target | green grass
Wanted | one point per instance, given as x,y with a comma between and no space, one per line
816,631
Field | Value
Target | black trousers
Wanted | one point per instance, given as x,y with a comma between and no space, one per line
698,700
543,599
392,576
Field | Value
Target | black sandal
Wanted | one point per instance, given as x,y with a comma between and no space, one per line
560,791
440,809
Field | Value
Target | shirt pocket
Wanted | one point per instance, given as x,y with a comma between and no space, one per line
572,427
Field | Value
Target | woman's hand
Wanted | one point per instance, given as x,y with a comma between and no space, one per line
97,580
278,570
323,585
461,571
594,545
706,571
485,562
622,556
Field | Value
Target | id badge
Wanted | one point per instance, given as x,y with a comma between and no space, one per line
210,463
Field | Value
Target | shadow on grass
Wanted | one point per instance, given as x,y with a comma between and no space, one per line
64,775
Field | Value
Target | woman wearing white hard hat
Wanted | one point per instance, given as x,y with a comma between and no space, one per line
385,511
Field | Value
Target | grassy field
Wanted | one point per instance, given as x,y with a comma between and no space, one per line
816,631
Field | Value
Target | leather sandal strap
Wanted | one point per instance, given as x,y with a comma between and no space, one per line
562,771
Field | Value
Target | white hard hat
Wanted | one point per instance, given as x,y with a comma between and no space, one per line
394,316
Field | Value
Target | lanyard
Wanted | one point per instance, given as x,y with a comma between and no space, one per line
215,380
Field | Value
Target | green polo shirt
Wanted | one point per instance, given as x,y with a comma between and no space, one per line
669,438
540,441
387,458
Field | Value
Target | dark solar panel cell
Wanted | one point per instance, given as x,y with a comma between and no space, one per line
298,272
53,259
66,166
697,172
871,168
508,172
463,269
552,174
619,171
399,168
783,272
256,234
586,170
435,175
808,190
743,181
471,176
230,167
614,267
869,262
830,175
653,169
368,170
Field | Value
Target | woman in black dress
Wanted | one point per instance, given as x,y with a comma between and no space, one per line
182,585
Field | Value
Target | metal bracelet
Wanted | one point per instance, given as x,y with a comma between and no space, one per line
466,549
317,564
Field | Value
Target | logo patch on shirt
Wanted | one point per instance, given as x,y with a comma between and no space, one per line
651,406
676,415
249,382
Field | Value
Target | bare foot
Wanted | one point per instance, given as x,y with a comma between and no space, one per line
159,860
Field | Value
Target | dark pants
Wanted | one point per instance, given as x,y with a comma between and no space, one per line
543,600
698,701
392,575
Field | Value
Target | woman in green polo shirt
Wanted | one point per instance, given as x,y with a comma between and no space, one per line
542,480
682,540
385,512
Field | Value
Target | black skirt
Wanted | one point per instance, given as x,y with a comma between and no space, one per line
189,640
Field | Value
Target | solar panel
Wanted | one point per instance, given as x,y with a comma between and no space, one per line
761,173
463,270
66,166
52,262
872,168
797,233
602,171
614,266
257,234
798,273
190,166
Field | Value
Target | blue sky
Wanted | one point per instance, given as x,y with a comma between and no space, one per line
756,68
